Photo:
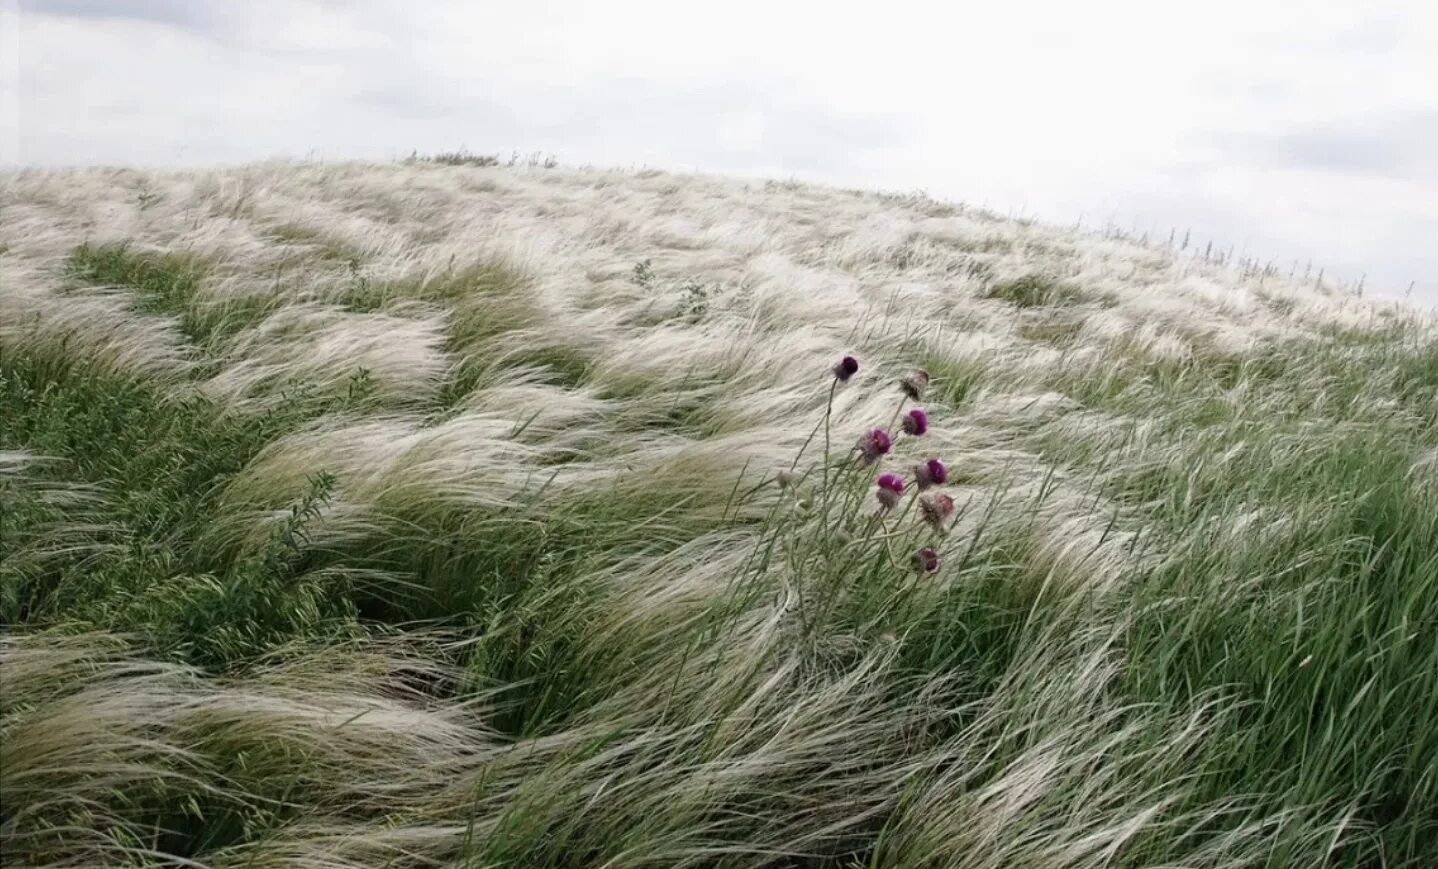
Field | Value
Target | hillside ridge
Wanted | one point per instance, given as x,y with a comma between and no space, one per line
417,514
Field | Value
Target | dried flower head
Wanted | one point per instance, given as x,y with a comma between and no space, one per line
929,474
846,368
914,383
891,489
785,479
937,510
926,560
874,444
916,422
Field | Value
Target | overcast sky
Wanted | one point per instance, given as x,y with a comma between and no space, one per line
1293,131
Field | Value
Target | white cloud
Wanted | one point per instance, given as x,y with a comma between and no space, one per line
1297,134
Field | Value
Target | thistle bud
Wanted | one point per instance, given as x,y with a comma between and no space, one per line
846,368
914,383
891,489
926,560
874,445
916,422
937,510
929,474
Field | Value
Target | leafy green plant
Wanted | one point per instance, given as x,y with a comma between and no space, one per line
644,274
695,304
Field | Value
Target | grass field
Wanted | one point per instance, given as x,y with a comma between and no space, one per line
462,515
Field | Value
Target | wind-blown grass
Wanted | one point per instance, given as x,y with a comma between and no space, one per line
446,513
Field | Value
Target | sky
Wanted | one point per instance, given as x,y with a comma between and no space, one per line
1305,134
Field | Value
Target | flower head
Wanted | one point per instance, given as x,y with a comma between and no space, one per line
846,368
891,488
937,510
926,560
914,383
874,445
931,473
916,422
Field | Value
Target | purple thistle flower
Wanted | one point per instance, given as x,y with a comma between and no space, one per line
846,368
874,445
926,560
931,473
916,422
891,489
937,510
914,383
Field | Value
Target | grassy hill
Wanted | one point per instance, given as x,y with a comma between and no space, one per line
452,515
